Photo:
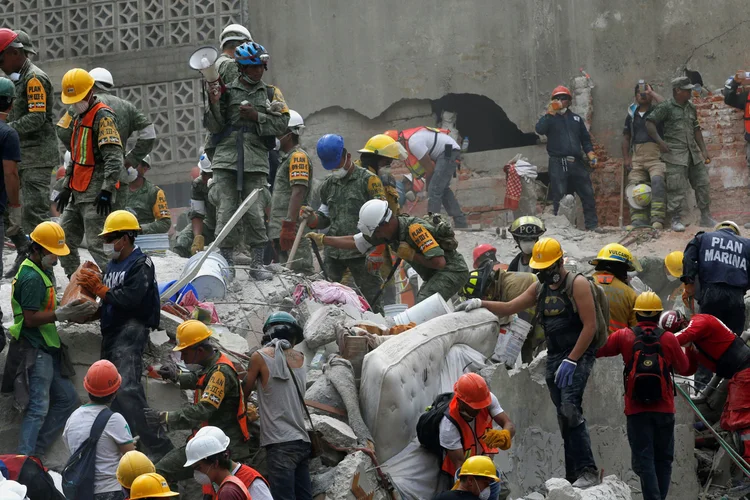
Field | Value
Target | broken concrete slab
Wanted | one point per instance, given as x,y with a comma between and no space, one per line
320,328
534,496
560,489
610,489
334,432
354,479
323,391
228,339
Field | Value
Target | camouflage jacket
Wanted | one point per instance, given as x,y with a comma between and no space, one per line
227,68
202,206
150,207
295,169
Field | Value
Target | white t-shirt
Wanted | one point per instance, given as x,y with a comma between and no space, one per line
421,142
450,435
117,432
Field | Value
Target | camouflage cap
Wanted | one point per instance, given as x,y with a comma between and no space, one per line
25,40
682,83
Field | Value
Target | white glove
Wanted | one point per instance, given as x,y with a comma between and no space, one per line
469,305
15,214
77,311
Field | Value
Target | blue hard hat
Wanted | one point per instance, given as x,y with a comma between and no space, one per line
330,149
251,54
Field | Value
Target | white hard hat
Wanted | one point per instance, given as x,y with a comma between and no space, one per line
205,164
67,159
409,177
101,75
202,447
372,214
235,32
296,123
214,432
639,196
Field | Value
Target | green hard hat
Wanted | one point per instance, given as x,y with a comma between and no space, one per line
7,89
280,318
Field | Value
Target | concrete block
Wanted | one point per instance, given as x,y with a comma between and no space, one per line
560,489
324,392
610,489
534,496
229,340
352,480
320,328
334,432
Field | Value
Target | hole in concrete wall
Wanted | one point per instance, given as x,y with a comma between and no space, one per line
694,77
486,124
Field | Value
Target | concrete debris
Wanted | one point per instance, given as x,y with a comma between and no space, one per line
560,489
355,479
533,496
322,481
320,328
610,489
323,391
334,432
228,340
339,371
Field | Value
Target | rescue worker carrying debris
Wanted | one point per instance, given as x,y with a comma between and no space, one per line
431,249
612,265
526,232
569,309
202,214
147,201
218,399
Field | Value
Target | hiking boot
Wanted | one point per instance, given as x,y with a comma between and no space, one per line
597,229
678,226
20,257
588,479
706,220
658,226
227,254
259,273
636,224
242,259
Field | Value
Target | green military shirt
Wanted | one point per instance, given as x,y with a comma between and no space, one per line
227,68
680,124
389,186
30,292
32,117
150,207
201,204
295,170
340,201
217,405
223,120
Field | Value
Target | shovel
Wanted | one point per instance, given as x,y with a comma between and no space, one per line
320,259
295,245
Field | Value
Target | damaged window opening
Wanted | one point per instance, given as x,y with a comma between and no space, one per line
484,122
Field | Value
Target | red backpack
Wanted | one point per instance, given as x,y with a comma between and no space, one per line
648,376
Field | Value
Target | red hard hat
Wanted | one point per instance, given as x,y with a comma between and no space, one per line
672,321
472,390
561,90
102,379
195,172
479,250
7,37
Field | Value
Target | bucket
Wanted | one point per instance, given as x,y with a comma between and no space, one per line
210,282
392,310
431,307
177,296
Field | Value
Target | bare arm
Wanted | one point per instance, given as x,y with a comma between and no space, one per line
587,313
428,164
253,372
503,309
295,202
457,457
503,420
701,144
124,448
197,224
12,182
656,98
33,319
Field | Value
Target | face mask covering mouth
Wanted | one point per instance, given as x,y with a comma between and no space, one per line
81,107
672,278
109,250
483,494
527,246
201,478
132,174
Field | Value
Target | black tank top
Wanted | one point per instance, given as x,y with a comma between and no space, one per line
561,325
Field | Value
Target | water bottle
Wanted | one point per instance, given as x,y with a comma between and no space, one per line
517,332
318,360
465,144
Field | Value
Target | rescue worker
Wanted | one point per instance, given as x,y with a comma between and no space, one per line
10,156
148,202
132,464
291,192
89,185
719,261
35,370
430,250
202,214
436,156
31,116
475,480
218,399
683,152
526,232
569,333
650,424
641,159
239,170
130,310
737,96
342,194
484,254
567,141
149,486
612,264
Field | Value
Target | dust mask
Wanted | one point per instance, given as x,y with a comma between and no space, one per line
201,478
49,261
15,76
81,107
526,246
132,174
485,493
250,80
339,173
110,252
672,278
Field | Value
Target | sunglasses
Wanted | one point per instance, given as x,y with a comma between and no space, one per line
109,238
561,98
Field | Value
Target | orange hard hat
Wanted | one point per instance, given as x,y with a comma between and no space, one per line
480,250
102,379
393,134
561,90
472,390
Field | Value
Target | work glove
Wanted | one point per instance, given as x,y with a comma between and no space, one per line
307,213
169,372
469,305
707,161
498,439
564,373
62,199
156,420
15,214
103,203
553,107
199,244
316,238
251,412
77,311
405,251
410,196
92,282
592,159
288,234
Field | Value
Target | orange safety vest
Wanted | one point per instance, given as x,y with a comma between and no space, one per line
238,482
747,114
245,473
241,411
412,162
82,148
472,443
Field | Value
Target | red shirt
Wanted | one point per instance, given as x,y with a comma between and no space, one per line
621,342
711,335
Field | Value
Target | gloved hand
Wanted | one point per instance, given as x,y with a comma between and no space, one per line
707,161
15,214
688,296
564,373
469,305
288,235
553,107
103,203
317,238
592,159
252,412
498,439
307,213
410,196
199,244
62,199
77,311
92,282
405,251
156,420
168,371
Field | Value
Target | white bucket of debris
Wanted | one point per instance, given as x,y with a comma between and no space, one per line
392,310
210,282
429,308
510,341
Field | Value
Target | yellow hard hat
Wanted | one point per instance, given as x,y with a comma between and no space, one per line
673,261
190,333
614,252
120,220
133,464
150,485
383,145
76,85
648,302
51,237
546,252
728,224
479,465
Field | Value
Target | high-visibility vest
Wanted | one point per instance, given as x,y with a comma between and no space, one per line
241,410
48,331
472,443
245,473
237,481
412,162
82,148
747,114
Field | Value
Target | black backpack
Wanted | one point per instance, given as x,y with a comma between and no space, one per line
648,375
78,474
428,425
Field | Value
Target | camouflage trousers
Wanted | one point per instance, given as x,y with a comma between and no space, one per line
368,284
679,179
80,220
253,226
446,283
303,259
649,169
184,240
35,183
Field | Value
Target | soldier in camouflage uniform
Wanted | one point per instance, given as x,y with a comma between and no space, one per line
202,215
31,116
147,202
342,194
250,114
89,185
